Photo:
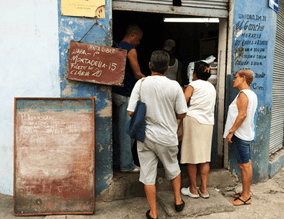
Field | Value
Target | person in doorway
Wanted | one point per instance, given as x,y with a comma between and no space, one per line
121,95
198,129
240,130
175,70
165,102
174,73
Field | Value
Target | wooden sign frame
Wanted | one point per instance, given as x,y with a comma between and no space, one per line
54,156
96,64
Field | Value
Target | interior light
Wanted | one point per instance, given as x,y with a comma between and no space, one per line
192,20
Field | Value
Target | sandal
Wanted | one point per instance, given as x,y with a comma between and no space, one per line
237,195
244,202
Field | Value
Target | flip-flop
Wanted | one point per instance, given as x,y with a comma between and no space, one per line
244,202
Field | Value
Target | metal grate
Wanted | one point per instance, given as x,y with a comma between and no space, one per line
277,120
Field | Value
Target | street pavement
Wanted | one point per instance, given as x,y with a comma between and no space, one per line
267,202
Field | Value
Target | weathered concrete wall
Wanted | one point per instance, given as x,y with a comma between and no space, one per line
253,48
29,65
74,28
276,162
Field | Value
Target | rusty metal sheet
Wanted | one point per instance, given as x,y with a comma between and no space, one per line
96,64
54,155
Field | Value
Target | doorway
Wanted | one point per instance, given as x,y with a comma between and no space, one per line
194,41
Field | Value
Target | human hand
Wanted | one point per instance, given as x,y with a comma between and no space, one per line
207,69
229,138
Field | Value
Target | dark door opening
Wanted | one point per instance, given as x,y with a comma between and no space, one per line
194,41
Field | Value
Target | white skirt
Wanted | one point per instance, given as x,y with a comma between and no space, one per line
196,141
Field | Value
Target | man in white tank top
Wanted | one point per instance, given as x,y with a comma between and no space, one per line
240,130
175,70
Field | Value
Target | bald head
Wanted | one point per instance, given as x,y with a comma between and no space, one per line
169,45
248,74
133,28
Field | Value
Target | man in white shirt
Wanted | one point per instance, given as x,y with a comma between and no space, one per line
165,102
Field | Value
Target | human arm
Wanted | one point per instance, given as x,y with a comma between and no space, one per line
242,104
181,116
188,93
134,97
180,107
133,61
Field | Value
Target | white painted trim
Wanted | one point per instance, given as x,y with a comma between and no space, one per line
229,69
222,48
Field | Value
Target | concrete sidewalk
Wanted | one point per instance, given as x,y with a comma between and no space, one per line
267,202
137,207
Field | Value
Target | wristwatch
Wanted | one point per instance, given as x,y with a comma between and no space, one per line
230,131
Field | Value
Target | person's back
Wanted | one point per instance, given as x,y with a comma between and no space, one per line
173,71
202,102
165,102
162,97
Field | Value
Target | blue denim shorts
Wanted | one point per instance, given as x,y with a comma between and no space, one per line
241,149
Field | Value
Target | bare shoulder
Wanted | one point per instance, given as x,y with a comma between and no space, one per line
242,99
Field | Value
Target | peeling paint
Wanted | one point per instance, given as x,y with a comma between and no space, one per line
62,79
66,39
69,91
108,178
100,148
107,111
262,110
239,33
69,30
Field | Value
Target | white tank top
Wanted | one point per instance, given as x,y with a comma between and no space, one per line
172,72
247,130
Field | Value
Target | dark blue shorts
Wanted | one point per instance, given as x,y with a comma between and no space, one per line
241,149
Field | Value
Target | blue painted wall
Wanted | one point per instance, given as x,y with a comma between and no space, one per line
74,28
253,48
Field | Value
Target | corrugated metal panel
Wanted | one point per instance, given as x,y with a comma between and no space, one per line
212,4
206,8
162,2
277,120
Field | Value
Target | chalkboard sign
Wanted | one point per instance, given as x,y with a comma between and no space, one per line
96,64
54,156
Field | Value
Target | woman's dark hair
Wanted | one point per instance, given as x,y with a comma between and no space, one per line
159,61
202,70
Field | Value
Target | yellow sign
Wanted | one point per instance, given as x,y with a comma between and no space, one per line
83,8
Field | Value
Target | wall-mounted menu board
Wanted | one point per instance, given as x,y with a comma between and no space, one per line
54,156
96,64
